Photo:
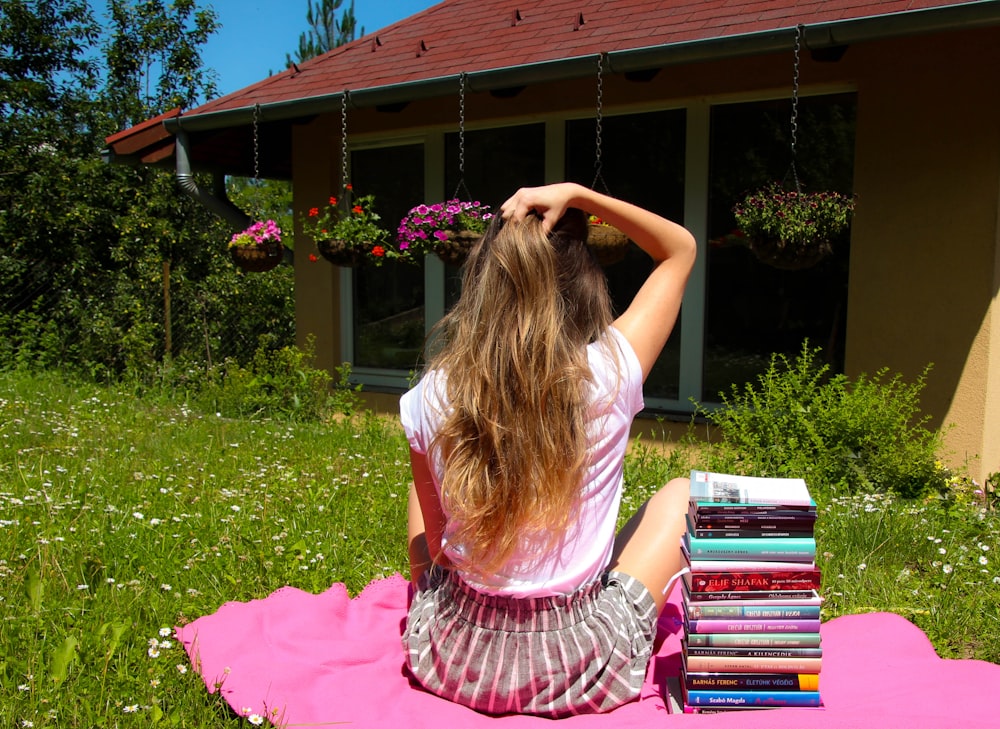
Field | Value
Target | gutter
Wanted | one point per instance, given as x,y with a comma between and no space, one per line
215,201
820,36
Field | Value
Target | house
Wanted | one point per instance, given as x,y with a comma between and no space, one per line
681,106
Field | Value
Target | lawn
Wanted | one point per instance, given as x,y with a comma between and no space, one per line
122,516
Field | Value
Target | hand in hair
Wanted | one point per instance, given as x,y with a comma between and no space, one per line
549,203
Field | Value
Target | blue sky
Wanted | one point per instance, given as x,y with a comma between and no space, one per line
256,35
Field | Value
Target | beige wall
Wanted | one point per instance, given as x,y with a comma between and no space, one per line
925,266
923,276
315,161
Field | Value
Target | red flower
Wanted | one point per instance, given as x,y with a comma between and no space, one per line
313,257
348,186
333,201
378,251
357,210
313,212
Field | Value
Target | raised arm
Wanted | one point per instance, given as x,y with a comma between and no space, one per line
652,314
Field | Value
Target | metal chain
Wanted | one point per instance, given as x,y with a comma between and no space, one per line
598,125
461,137
461,125
795,101
343,139
256,142
256,160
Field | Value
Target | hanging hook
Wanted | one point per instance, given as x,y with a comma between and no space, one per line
794,124
256,161
598,126
344,180
461,138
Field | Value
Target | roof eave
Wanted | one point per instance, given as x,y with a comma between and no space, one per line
819,36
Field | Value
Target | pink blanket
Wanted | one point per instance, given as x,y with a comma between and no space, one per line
320,660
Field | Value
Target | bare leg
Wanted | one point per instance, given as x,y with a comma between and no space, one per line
420,558
648,546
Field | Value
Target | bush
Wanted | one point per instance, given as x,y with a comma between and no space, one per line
276,383
800,420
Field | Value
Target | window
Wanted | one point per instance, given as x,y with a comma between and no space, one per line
739,311
642,162
753,310
497,162
388,311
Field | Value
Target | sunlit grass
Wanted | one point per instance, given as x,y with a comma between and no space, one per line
119,520
121,517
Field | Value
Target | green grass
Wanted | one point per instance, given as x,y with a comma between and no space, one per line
122,516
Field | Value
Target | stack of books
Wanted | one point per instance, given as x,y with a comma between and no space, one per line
751,597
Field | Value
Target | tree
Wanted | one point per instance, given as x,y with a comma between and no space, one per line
46,85
83,244
153,57
325,31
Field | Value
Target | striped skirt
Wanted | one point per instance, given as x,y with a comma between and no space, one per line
551,656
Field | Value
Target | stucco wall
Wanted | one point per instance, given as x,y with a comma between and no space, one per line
316,155
923,272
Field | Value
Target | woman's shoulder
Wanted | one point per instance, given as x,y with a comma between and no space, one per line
616,370
613,351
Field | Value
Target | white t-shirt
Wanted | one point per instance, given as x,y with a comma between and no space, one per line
585,550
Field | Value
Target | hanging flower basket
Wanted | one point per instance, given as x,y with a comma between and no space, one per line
258,248
454,249
351,237
258,259
607,242
792,230
342,253
779,254
448,229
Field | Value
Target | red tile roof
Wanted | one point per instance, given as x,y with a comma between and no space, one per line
457,36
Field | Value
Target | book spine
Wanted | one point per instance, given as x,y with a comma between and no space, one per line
767,612
722,625
751,595
748,533
754,652
724,664
752,581
753,698
722,507
765,548
769,519
738,531
752,681
759,640
742,565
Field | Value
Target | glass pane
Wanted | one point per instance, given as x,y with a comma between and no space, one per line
642,161
389,299
754,309
497,162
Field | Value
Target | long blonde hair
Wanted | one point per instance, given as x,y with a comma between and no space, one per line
513,350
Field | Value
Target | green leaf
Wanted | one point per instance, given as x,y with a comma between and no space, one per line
114,633
62,659
33,588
